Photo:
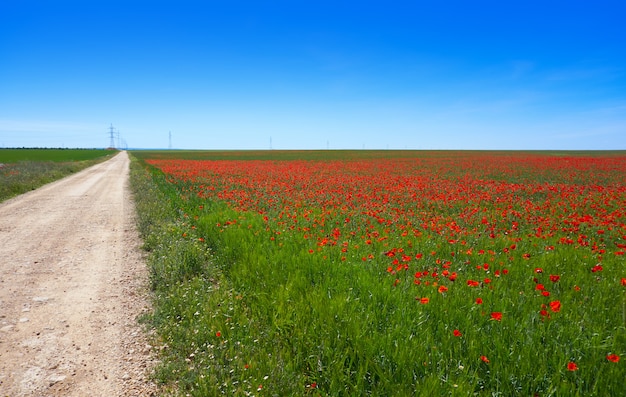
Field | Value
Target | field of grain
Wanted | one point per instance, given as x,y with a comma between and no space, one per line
387,273
23,170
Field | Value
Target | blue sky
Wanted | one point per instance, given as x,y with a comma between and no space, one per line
314,74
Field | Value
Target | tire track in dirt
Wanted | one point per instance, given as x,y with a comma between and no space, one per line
72,283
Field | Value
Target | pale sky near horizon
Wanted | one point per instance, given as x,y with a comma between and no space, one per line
314,74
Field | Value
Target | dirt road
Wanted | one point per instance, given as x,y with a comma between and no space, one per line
72,283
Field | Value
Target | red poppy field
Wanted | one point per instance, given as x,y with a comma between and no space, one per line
391,273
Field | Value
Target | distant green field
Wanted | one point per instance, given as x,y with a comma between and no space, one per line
325,155
22,170
56,155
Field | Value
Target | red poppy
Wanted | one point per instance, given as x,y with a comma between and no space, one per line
442,289
571,366
613,358
479,301
596,268
555,306
473,283
554,278
624,282
218,334
424,301
496,316
457,333
484,359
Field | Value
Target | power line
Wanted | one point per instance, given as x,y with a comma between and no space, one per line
112,134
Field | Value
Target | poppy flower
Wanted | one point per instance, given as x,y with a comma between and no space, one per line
479,301
613,358
442,289
555,306
424,301
554,278
596,268
571,366
624,282
496,316
218,334
484,359
457,333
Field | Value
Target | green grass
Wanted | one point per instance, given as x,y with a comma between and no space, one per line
23,170
243,307
342,154
55,155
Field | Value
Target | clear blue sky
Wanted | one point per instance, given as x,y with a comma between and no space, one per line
314,74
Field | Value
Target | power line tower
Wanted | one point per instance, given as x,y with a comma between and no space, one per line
112,134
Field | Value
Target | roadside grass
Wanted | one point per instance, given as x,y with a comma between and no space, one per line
23,170
248,305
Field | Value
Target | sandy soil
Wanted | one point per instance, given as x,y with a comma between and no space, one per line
72,284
